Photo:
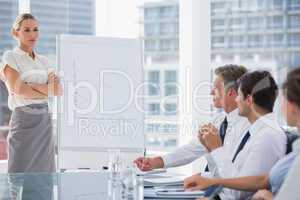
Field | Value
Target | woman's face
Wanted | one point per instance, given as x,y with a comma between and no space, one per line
28,33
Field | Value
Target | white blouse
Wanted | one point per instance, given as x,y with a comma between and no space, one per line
31,71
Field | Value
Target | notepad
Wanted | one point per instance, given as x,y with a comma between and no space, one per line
169,188
145,173
194,194
151,193
163,181
176,190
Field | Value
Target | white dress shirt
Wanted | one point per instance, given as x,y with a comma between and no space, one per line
266,145
194,150
30,70
290,187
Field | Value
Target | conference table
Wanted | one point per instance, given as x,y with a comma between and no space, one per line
85,185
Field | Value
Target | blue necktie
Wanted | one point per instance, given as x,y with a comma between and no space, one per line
223,129
241,146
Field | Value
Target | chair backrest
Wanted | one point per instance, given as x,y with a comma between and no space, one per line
291,137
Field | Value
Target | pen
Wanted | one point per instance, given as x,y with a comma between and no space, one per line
171,190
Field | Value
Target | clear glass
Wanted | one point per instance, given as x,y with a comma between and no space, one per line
127,178
138,183
115,162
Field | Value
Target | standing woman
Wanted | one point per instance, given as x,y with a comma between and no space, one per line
29,83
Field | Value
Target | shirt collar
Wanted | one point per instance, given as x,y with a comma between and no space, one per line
296,145
233,116
265,121
19,51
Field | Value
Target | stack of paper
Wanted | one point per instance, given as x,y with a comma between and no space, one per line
151,172
172,192
168,187
163,181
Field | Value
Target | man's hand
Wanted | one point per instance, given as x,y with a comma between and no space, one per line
200,135
263,195
209,136
197,182
147,164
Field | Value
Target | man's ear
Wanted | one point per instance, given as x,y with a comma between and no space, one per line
250,100
232,92
293,108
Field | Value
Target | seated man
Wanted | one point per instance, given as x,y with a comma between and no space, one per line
262,146
231,129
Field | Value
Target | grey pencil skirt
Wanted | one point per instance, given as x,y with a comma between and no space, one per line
31,141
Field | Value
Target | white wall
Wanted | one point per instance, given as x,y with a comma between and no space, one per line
117,18
195,67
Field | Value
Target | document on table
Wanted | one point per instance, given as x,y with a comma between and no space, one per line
163,181
145,173
174,192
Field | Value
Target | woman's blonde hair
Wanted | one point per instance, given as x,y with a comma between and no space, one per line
18,22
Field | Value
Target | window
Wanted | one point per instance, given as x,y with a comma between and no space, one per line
170,89
275,22
151,29
153,142
154,109
234,4
154,82
165,45
271,30
170,76
255,23
255,40
218,24
275,40
294,21
170,109
170,128
254,4
236,41
243,5
216,6
153,128
237,23
294,4
218,41
169,45
166,28
294,39
150,45
170,83
168,12
62,17
151,13
171,143
276,4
